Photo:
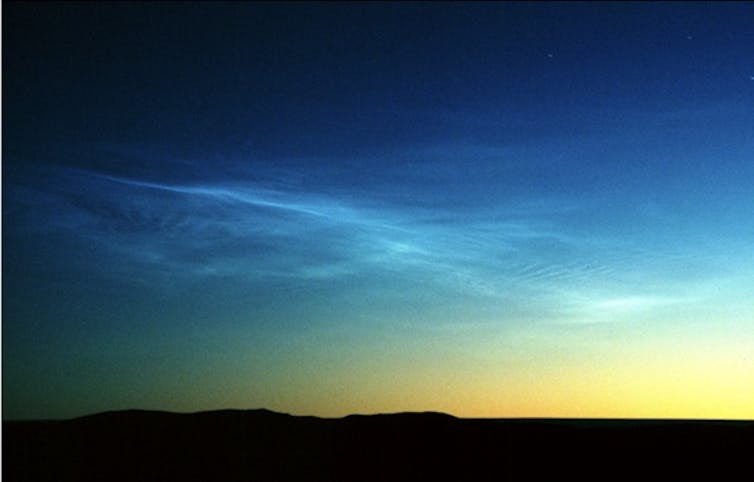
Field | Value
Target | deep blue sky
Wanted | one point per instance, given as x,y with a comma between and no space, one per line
333,208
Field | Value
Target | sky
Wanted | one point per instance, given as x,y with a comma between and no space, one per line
485,209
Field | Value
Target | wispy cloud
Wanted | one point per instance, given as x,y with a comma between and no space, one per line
246,228
161,232
601,309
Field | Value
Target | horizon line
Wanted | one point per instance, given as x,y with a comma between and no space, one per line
383,414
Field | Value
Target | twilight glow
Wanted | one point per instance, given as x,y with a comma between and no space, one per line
490,210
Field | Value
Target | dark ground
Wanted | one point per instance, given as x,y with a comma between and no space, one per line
252,445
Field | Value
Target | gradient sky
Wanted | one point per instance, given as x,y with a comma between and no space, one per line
491,210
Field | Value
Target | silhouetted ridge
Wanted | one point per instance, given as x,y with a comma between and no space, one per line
406,415
130,414
259,444
138,413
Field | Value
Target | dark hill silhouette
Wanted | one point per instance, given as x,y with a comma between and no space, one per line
249,445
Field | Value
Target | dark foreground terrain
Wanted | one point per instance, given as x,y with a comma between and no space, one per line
266,446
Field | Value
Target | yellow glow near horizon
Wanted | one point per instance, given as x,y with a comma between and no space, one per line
690,379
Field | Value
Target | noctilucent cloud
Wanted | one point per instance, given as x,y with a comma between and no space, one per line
491,210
